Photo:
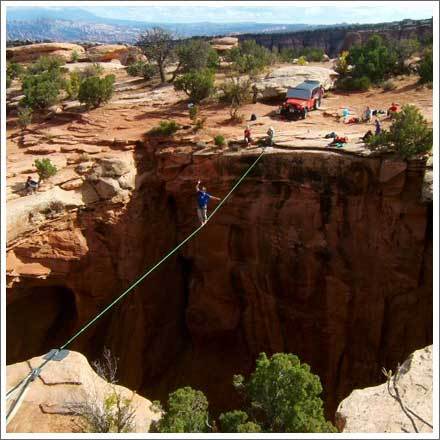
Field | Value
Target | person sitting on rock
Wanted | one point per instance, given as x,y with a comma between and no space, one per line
31,185
202,203
394,108
367,135
271,134
247,136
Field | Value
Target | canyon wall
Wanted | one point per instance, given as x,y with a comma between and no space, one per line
334,40
325,255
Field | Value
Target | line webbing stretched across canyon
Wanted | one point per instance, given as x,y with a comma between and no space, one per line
35,372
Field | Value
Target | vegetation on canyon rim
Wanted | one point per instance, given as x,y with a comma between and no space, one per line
378,60
281,395
409,135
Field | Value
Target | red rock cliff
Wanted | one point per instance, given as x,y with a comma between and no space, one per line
325,255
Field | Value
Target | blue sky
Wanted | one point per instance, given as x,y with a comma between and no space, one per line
267,12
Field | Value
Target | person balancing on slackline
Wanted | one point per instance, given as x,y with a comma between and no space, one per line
202,203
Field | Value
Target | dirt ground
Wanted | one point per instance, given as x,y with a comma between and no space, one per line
137,107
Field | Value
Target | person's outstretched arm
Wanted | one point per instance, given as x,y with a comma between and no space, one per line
198,186
215,198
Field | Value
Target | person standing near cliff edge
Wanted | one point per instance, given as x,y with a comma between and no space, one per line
202,203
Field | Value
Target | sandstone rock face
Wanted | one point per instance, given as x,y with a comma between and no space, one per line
321,254
109,52
224,44
334,40
33,51
46,404
276,83
404,404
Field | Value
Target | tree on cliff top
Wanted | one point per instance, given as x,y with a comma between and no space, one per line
409,134
283,395
157,45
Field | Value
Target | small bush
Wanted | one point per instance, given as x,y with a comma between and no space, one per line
197,85
46,64
95,91
302,61
41,90
14,70
237,421
409,135
141,68
354,84
74,56
73,84
425,69
186,411
8,81
193,112
388,85
219,140
93,70
45,168
24,116
165,128
199,124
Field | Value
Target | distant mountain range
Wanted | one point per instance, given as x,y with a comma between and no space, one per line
76,24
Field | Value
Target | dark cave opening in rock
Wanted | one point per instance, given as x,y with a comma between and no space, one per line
39,320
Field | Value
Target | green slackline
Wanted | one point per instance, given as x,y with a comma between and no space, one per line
37,370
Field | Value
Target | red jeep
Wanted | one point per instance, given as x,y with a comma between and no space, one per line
301,99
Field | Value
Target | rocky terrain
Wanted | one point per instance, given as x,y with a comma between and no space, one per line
403,404
322,252
49,401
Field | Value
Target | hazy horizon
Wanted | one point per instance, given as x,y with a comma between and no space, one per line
286,13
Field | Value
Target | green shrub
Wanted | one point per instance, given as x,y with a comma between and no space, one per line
186,411
374,60
14,70
24,116
285,395
74,57
46,64
196,55
237,421
342,64
73,84
425,69
249,57
409,135
93,70
388,85
45,168
95,91
193,112
198,85
354,84
302,60
41,90
236,90
8,81
219,140
142,68
165,128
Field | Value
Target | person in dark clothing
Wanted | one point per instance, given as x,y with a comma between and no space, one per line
31,185
202,203
378,127
367,135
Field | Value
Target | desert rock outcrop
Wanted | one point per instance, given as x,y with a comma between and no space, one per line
47,403
403,404
224,44
33,51
276,83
